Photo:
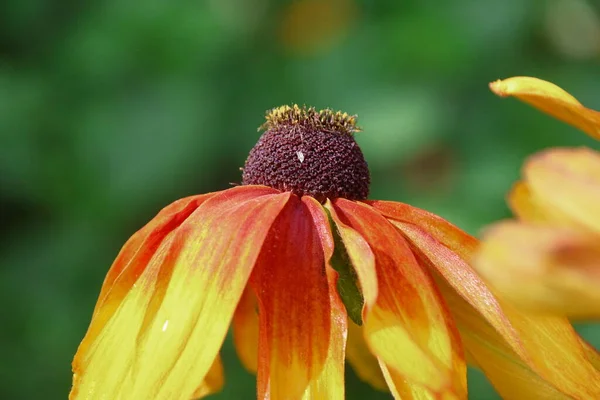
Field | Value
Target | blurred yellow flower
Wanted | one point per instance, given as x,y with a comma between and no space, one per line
549,259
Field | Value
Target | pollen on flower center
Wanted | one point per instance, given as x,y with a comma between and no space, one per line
309,152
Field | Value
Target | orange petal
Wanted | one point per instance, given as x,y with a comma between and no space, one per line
568,181
213,381
552,100
409,328
363,362
330,383
514,341
543,269
245,330
295,308
166,331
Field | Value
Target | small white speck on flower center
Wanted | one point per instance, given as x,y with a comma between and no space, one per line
300,156
165,325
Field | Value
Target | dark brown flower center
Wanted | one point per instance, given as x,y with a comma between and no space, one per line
309,152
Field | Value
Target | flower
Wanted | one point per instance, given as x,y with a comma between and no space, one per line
310,273
549,260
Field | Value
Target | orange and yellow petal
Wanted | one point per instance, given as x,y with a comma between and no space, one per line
504,341
133,258
567,181
544,269
550,99
245,330
361,359
213,381
296,336
409,328
165,333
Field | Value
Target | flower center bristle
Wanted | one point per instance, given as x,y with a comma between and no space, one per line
309,152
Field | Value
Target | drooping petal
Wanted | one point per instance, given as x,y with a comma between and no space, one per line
294,306
515,341
165,333
409,329
133,258
245,330
363,362
544,269
550,99
568,180
330,383
213,381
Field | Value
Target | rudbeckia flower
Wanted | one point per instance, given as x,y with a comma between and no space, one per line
549,259
310,273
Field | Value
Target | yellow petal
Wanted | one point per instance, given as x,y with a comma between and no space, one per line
544,269
409,328
568,181
524,205
504,341
552,100
361,359
164,335
403,389
245,330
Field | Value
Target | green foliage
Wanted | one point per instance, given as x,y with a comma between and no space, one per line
111,109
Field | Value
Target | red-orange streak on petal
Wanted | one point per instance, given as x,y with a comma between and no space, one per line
330,383
409,316
548,346
195,290
294,309
361,257
245,330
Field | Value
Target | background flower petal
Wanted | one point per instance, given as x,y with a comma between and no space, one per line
524,205
544,269
550,99
409,328
568,180
295,312
165,334
547,345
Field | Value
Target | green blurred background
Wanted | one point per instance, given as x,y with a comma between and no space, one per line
111,109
